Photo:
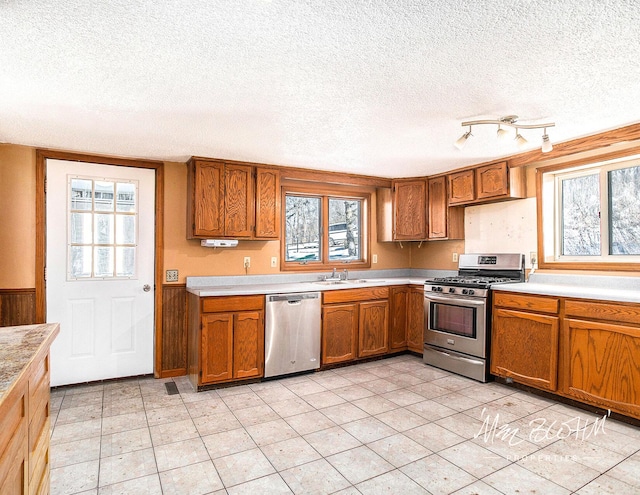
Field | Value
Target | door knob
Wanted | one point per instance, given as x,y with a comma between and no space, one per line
146,288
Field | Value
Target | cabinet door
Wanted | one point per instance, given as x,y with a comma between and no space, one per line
438,208
373,328
339,333
398,327
267,203
410,210
217,347
415,320
248,344
602,364
524,346
206,215
238,201
14,434
492,180
462,187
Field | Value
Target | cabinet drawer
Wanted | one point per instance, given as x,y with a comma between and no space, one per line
232,303
591,310
533,303
355,295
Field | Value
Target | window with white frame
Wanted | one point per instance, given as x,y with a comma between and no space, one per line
591,213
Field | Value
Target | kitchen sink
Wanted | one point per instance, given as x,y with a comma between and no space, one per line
331,282
365,281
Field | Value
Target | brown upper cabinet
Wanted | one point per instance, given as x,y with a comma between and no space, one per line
232,200
421,211
488,183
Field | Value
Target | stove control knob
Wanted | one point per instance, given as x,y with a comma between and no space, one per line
471,292
439,289
451,290
434,289
465,291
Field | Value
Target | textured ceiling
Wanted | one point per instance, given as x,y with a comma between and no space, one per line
369,87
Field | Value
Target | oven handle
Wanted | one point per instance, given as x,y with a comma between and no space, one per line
460,300
459,358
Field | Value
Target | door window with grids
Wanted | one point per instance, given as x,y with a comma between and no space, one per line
102,228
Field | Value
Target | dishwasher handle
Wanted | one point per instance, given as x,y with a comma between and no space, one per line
293,298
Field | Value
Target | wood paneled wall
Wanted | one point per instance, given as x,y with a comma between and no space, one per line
17,307
174,331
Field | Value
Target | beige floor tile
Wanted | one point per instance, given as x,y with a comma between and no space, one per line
173,432
516,480
317,477
242,467
74,478
145,485
355,375
255,415
122,406
271,432
167,415
369,429
88,398
156,401
179,454
123,422
343,413
399,450
434,437
428,373
477,488
332,440
405,380
80,413
228,442
401,419
272,484
586,453
353,392
291,407
393,482
305,387
457,401
559,469
309,422
431,410
323,399
380,386
76,431
126,441
217,422
275,394
123,467
607,485
375,404
65,454
454,383
194,479
330,380
429,390
628,471
290,453
240,401
207,407
437,475
403,397
463,425
474,459
359,464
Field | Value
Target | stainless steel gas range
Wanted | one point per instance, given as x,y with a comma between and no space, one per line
457,312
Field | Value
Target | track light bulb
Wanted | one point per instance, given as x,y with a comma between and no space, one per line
502,133
546,144
520,141
463,139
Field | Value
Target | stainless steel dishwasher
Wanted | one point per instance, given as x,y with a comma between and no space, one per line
292,333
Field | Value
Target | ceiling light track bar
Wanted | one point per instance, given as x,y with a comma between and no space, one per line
509,123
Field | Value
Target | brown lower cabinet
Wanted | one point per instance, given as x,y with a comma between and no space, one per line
415,319
582,349
407,318
225,338
355,324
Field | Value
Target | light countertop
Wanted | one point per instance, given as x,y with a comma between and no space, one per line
18,346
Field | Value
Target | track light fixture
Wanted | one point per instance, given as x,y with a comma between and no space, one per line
509,121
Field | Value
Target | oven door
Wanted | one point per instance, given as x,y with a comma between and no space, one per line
456,323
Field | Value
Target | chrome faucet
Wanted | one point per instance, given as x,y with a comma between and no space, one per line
333,273
344,275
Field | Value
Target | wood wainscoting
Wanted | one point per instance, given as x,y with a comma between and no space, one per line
174,331
17,307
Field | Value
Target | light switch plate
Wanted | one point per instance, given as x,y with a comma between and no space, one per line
454,257
172,275
375,258
274,261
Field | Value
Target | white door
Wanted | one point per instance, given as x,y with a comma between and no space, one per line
100,270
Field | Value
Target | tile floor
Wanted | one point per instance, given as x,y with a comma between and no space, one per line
383,427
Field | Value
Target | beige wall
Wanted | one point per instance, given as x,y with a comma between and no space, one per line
17,216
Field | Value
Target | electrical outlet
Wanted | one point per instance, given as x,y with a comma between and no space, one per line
172,275
274,262
375,258
533,257
247,261
454,257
